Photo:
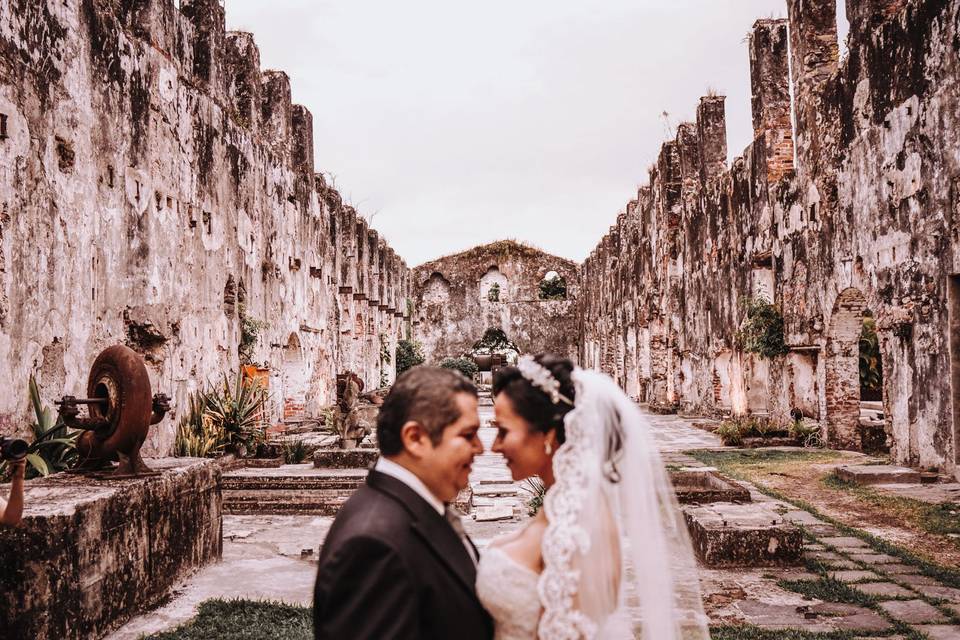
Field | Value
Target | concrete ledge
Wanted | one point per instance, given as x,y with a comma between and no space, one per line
345,458
92,553
742,535
878,474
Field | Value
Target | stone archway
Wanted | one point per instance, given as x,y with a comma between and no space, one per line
295,378
842,371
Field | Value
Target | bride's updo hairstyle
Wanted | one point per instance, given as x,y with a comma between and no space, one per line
532,404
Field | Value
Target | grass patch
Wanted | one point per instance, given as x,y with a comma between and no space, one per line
738,464
938,519
746,464
829,590
748,632
244,620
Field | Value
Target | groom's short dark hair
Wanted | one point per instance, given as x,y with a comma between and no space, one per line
426,395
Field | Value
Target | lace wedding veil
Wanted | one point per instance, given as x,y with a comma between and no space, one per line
616,546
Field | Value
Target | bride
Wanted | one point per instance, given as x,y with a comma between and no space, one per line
610,536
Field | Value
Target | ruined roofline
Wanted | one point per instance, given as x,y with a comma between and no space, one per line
503,247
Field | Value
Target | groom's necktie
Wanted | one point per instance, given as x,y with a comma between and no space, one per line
457,524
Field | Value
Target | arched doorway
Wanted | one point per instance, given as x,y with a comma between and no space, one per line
294,378
842,371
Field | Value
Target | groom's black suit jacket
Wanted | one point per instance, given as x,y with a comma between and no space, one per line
392,567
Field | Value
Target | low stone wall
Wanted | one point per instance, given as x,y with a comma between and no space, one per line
90,553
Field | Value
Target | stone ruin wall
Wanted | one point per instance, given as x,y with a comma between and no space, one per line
452,309
867,217
154,183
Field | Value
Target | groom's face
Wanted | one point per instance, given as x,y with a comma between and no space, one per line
445,466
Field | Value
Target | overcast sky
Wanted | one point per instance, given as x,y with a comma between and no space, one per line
453,123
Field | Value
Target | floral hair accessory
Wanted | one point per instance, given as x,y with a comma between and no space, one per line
540,377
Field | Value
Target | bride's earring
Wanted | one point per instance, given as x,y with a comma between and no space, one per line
548,448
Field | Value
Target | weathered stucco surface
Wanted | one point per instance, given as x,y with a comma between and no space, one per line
453,307
157,188
866,218
90,554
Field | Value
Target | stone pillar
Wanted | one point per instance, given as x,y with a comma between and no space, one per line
302,129
276,106
861,11
242,69
712,137
815,52
209,26
770,84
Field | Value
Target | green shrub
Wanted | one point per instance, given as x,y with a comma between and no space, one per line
229,413
493,295
54,446
295,452
762,329
409,355
731,432
871,369
466,366
554,288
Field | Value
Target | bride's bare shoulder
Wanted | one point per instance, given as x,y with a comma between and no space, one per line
523,547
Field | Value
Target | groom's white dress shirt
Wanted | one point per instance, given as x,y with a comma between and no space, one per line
409,478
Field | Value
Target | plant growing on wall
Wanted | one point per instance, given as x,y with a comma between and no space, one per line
493,295
250,329
553,288
385,359
466,366
409,355
871,368
762,329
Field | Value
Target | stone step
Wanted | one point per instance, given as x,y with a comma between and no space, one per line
286,483
296,489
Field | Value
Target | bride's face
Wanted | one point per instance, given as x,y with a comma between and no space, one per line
521,445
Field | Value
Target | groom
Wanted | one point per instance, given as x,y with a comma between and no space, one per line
396,563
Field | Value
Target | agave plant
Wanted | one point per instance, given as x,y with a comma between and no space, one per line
54,446
537,490
203,442
238,408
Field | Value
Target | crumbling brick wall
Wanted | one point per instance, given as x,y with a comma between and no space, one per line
453,308
858,215
157,188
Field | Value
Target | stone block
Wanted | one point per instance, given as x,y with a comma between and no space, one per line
747,535
706,485
93,553
878,474
885,590
495,490
913,611
493,514
940,631
345,458
854,575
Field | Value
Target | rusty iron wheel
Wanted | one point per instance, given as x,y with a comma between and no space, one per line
119,375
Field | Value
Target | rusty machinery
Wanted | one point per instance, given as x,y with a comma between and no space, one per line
120,411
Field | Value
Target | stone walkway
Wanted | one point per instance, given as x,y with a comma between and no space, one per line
274,557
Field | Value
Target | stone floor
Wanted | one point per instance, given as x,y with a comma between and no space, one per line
274,557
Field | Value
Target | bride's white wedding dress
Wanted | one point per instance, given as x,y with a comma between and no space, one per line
508,590
615,534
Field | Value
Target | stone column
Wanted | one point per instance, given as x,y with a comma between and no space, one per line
712,137
770,84
815,52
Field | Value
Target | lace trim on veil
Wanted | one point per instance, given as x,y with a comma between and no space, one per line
564,538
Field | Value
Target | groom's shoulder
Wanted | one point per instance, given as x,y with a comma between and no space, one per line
372,514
